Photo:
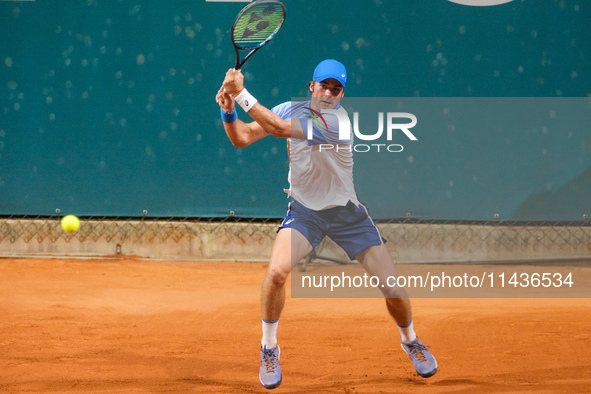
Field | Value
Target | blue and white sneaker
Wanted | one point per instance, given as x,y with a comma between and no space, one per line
421,358
270,371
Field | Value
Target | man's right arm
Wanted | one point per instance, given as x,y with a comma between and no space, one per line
265,121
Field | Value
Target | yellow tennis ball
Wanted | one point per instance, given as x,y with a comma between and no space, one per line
70,223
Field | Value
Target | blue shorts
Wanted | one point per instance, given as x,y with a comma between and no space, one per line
350,226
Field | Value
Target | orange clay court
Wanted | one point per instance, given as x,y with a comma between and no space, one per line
115,325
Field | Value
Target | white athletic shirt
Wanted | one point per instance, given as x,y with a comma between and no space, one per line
320,169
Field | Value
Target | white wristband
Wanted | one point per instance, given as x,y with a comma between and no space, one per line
246,100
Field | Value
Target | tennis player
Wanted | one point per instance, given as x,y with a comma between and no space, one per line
324,203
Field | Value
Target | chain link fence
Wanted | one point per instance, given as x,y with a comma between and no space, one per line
243,239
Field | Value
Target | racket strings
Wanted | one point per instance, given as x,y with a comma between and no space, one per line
258,25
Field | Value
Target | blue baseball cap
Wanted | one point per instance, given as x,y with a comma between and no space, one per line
330,68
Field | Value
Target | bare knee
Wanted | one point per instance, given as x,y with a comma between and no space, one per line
276,276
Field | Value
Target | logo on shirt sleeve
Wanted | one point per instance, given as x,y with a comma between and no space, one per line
317,116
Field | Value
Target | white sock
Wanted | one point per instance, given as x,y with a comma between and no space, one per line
270,333
407,333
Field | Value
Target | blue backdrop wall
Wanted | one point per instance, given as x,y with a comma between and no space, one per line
107,107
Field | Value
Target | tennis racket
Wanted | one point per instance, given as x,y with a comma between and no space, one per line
255,26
